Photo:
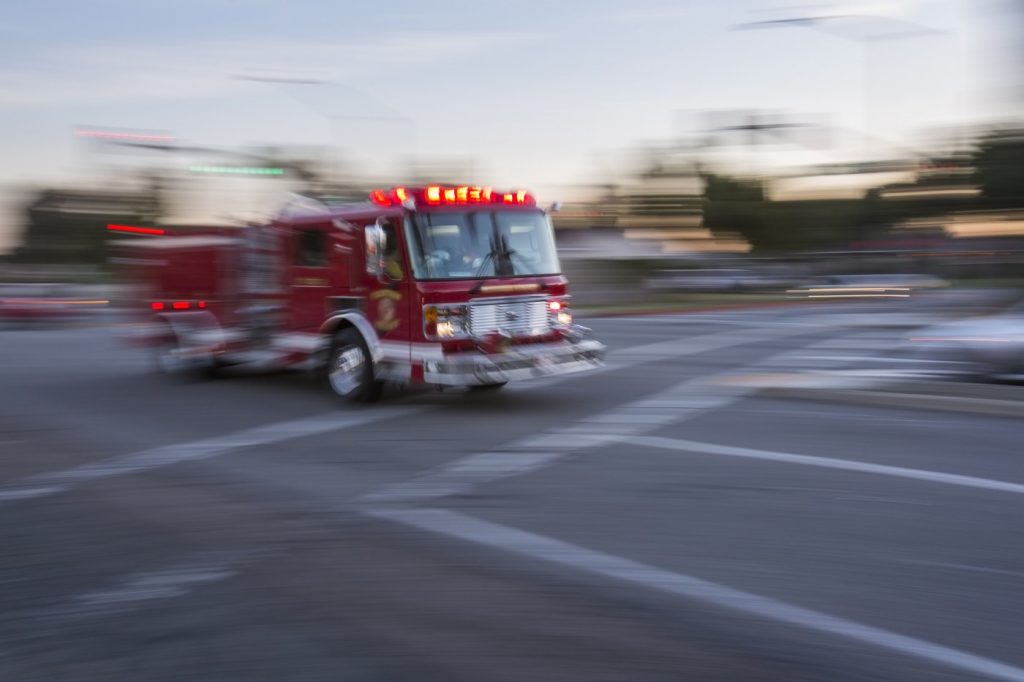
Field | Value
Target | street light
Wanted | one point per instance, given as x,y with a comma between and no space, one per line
822,23
335,119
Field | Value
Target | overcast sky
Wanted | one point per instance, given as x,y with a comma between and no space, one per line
539,93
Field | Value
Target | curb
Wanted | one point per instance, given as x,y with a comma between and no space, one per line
647,312
920,401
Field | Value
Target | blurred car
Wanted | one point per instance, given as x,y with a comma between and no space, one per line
990,347
42,304
708,279
867,286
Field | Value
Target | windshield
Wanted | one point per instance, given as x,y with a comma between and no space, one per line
470,245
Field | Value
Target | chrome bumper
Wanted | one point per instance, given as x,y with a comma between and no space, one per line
524,362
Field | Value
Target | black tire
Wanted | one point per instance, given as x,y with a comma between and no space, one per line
349,369
488,387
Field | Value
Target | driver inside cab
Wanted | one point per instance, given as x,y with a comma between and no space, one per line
392,254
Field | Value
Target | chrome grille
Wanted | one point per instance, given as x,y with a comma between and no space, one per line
513,316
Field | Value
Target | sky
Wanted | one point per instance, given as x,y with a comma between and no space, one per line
533,93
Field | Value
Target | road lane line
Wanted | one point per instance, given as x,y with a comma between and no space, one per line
963,567
542,450
133,591
686,400
43,485
681,445
524,543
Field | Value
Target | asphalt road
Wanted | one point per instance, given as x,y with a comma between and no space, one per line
655,520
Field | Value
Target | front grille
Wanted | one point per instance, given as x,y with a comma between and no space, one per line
512,316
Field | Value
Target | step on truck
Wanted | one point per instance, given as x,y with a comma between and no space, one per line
450,286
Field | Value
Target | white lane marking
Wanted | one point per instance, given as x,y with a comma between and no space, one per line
518,457
828,462
27,493
132,591
622,417
158,585
964,567
678,347
470,529
42,485
687,400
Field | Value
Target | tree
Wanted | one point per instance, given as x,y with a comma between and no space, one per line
734,205
999,167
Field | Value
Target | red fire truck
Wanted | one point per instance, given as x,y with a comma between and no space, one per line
451,286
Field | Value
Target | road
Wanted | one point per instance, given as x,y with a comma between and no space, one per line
655,520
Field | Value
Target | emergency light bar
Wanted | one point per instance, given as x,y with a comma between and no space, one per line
438,195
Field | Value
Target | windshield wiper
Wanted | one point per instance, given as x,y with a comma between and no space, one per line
483,264
499,249
522,259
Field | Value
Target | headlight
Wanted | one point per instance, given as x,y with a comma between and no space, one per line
559,315
445,322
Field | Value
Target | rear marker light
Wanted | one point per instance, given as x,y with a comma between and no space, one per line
180,305
156,305
131,229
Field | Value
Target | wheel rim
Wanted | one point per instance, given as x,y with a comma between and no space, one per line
168,360
347,369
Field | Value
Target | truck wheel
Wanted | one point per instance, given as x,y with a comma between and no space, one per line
487,387
164,357
350,369
165,360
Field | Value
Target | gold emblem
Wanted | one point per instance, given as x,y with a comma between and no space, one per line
387,309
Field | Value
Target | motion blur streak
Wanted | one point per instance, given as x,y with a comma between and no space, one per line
724,299
547,549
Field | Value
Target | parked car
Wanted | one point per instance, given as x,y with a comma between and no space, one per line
22,304
988,347
867,286
706,279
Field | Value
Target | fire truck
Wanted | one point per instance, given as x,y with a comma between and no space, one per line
441,285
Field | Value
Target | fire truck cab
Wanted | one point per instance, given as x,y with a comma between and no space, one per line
451,286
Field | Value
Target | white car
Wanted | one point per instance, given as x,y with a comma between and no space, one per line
990,347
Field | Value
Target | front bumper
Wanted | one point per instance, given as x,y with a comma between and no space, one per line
517,363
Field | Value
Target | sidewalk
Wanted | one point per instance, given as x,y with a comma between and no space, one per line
999,400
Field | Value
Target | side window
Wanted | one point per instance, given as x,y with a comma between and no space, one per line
393,265
311,248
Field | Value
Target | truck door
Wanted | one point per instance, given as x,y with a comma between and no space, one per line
309,276
390,301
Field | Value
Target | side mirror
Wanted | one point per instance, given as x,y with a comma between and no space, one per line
555,207
376,246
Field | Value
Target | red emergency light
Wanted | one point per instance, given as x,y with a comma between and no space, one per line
123,136
438,195
177,305
136,230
